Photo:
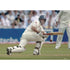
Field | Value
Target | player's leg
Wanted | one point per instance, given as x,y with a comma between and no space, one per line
68,33
60,37
38,47
19,48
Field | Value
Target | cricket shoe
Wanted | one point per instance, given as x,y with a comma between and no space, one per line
68,47
36,52
9,51
57,47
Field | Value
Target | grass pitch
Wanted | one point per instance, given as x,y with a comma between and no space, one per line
48,51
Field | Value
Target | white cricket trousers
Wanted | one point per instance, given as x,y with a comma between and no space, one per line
29,36
62,28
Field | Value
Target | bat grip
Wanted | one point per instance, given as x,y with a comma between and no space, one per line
48,34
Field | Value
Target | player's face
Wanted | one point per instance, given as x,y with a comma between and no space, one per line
42,21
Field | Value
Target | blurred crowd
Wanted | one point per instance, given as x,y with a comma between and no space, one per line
23,18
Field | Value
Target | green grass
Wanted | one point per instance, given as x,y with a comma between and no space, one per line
48,51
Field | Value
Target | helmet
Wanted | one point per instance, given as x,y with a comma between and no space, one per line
42,17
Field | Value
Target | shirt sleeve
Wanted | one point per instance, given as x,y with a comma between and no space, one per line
35,24
42,29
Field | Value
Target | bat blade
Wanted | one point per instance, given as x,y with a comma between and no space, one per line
57,33
54,33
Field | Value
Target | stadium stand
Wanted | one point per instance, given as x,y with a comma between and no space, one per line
22,18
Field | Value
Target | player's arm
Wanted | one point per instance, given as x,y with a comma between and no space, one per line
58,17
34,29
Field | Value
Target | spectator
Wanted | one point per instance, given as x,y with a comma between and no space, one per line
5,21
1,24
21,13
2,15
16,17
10,16
13,25
47,17
54,18
40,12
23,25
29,22
51,22
18,20
30,15
15,13
35,16
54,13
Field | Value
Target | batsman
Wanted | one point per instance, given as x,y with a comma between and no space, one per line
63,19
34,32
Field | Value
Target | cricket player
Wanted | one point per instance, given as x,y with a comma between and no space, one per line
64,20
34,32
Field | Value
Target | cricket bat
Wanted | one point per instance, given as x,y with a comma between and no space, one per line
54,33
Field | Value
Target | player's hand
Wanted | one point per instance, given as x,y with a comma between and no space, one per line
41,34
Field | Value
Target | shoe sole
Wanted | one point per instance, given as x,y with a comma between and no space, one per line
8,52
